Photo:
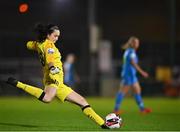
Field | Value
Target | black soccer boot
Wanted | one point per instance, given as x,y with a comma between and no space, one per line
104,126
12,81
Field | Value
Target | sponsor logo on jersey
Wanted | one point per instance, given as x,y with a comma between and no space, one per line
50,51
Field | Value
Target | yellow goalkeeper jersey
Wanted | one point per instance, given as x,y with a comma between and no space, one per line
47,52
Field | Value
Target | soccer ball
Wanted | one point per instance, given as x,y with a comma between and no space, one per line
113,121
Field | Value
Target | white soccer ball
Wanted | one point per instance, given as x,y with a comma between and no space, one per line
113,121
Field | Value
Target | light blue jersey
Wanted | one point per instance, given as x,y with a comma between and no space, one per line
128,73
69,74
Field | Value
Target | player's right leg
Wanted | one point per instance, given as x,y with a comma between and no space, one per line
66,93
119,97
46,96
77,99
139,100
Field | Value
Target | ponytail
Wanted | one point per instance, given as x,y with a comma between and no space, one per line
129,42
125,46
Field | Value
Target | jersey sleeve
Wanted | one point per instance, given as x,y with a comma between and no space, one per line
132,55
31,45
49,53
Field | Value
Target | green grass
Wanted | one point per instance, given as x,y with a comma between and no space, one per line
22,114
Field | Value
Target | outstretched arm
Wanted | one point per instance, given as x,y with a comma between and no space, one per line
31,45
50,55
139,69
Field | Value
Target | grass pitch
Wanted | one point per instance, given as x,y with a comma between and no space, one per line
29,114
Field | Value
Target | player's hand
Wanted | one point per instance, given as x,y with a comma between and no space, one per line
54,70
145,74
53,73
31,45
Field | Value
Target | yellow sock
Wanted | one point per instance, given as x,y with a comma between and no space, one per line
30,89
89,112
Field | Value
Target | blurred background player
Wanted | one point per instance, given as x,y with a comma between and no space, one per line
129,79
70,75
50,58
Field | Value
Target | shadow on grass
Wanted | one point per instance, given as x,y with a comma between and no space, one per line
15,124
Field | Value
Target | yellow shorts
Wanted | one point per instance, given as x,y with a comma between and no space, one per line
62,90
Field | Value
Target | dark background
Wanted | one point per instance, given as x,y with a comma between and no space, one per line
155,23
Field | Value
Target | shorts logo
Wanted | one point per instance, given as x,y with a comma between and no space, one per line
50,51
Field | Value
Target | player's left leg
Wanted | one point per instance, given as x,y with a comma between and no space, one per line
45,96
65,93
37,92
137,95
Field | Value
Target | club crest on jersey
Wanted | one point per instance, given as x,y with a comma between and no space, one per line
50,51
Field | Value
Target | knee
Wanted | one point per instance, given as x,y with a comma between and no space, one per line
47,99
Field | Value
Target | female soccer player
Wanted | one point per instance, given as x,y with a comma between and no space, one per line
70,75
50,58
128,76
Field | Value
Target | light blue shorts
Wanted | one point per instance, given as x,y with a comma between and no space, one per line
129,80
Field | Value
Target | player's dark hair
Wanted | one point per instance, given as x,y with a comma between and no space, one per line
43,30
